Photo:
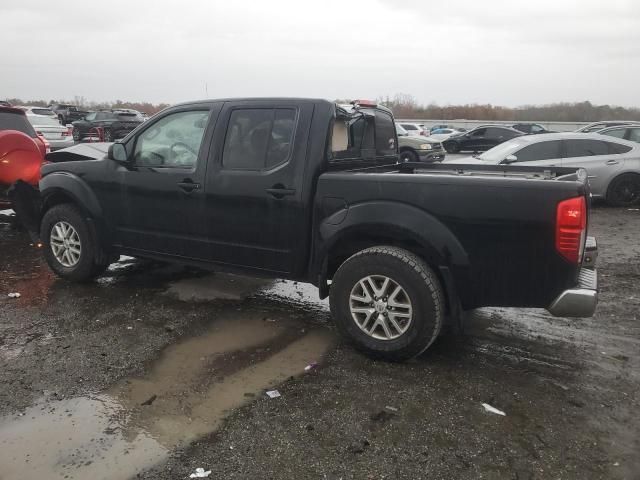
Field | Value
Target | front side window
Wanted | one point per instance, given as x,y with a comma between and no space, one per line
90,117
258,138
173,141
585,148
536,129
408,126
479,133
634,134
539,151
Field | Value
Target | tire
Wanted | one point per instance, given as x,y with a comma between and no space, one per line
452,147
77,136
108,136
409,156
421,290
624,190
85,266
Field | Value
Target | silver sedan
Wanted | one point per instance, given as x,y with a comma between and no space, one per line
613,164
57,135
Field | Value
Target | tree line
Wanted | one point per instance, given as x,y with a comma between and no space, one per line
405,106
81,102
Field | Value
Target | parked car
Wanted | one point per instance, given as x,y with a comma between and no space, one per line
57,135
413,129
66,113
268,186
530,128
21,151
480,138
115,124
625,132
44,111
4,103
613,164
439,127
413,148
594,127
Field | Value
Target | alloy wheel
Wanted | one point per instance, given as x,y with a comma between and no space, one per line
65,244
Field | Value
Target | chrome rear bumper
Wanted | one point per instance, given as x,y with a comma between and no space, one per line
580,301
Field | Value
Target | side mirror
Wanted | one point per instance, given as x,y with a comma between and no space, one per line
510,159
117,153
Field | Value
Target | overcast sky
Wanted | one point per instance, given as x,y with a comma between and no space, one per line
454,51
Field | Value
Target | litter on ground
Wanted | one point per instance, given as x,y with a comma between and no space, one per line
14,295
273,393
200,473
311,366
491,409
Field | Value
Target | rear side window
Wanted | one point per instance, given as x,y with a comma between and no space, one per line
16,121
385,134
618,132
41,111
616,148
539,151
634,134
408,126
259,138
585,148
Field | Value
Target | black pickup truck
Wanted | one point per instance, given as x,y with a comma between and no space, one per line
67,113
304,189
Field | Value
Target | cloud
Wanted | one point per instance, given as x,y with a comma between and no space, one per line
460,51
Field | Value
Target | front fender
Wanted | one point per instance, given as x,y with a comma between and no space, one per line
70,185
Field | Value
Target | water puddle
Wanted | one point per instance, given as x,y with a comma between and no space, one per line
187,393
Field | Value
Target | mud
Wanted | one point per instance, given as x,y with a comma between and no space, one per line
154,370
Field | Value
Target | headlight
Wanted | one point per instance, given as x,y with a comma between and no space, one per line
425,146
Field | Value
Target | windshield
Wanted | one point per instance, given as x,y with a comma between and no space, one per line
499,152
42,111
40,121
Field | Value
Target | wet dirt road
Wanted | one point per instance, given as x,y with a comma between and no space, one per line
153,371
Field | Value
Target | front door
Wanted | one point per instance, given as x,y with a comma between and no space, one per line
255,213
162,189
542,154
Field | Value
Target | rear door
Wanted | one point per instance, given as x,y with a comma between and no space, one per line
602,159
253,211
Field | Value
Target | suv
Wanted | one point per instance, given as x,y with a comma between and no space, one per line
306,190
113,124
414,148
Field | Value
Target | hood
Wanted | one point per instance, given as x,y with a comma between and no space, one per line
82,151
467,161
416,141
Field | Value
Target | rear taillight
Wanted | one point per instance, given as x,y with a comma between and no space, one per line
571,228
45,142
68,133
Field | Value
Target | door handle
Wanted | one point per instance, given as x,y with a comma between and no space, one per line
188,186
612,162
280,191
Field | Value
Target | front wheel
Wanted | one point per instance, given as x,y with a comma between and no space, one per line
624,190
409,156
452,147
388,302
76,135
70,247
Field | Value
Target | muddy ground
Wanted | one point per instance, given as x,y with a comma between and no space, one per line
153,371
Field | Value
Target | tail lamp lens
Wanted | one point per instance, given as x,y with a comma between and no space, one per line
571,226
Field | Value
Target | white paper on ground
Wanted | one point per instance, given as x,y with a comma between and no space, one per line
273,393
200,473
491,409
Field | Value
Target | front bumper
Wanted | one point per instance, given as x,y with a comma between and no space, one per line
582,300
435,155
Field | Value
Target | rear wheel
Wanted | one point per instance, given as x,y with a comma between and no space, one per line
70,246
76,134
624,190
108,136
388,302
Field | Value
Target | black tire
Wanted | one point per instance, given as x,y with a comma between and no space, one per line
624,190
77,136
409,156
422,288
108,136
87,266
452,147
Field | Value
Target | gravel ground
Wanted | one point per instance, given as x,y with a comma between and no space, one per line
153,371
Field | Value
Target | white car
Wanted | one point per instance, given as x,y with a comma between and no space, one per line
57,135
612,164
413,129
44,111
